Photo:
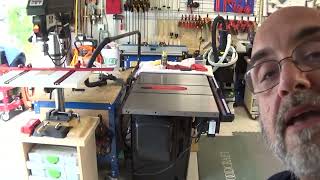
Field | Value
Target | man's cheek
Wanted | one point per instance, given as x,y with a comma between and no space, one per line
266,118
264,107
267,126
314,78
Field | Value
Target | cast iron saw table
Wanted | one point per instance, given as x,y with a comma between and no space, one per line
172,95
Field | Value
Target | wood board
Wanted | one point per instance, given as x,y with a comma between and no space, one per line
103,94
68,141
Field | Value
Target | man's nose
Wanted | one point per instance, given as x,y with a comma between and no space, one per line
292,79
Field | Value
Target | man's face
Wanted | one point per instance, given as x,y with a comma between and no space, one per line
290,111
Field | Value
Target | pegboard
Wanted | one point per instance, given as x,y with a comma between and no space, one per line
206,8
163,21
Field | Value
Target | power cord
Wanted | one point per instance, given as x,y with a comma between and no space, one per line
201,128
167,168
101,82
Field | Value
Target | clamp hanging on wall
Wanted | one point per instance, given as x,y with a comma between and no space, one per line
192,5
91,6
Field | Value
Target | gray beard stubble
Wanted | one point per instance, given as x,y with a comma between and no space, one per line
304,158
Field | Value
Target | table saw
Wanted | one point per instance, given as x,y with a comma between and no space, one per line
163,109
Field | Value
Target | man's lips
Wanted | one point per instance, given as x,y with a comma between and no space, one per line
301,117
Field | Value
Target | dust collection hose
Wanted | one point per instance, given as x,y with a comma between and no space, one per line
218,20
213,55
95,54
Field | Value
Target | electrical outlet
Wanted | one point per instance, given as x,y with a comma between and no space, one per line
101,27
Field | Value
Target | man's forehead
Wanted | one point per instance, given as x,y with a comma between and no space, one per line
285,27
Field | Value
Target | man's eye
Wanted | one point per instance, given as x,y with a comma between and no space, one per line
313,56
268,76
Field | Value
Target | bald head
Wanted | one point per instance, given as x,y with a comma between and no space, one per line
283,30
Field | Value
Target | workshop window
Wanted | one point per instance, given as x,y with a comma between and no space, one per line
16,26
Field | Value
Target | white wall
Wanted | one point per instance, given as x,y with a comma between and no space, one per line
273,5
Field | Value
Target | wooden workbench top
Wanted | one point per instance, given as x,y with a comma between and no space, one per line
104,94
77,136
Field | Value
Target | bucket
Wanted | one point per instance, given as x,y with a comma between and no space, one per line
111,58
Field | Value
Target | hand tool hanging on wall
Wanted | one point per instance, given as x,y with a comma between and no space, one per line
140,4
200,23
159,22
177,30
92,11
189,22
242,25
181,24
143,20
156,30
125,8
143,24
136,4
192,5
80,17
119,17
78,21
113,7
154,10
151,8
145,9
171,18
130,11
205,38
174,21
163,34
138,8
138,16
148,8
168,20
133,21
85,19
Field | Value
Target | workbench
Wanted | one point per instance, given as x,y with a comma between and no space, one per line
82,137
93,101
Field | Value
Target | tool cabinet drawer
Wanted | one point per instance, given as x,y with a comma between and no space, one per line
52,171
59,155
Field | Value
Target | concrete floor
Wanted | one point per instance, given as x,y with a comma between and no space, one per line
10,154
242,123
10,151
